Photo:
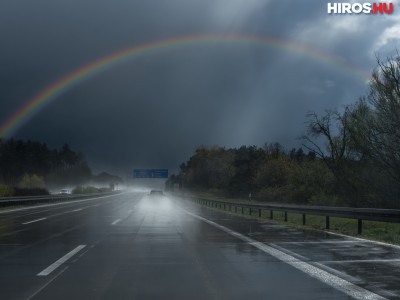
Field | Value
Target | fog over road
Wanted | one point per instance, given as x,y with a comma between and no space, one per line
133,246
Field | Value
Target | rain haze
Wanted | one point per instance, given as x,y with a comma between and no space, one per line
153,110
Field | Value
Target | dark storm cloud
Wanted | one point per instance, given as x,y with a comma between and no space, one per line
152,112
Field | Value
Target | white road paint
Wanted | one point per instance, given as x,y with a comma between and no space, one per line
363,240
34,221
47,283
322,242
319,265
334,281
116,222
351,261
59,262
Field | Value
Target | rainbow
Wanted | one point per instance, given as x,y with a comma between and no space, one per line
31,107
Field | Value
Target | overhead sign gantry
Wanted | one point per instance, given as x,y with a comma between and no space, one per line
150,173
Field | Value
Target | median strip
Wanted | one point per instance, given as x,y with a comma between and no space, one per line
59,262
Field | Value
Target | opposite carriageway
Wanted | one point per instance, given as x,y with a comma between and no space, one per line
33,200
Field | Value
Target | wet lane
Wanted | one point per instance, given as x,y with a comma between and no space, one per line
373,266
136,247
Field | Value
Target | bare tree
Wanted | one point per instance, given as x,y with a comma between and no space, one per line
361,145
333,128
384,132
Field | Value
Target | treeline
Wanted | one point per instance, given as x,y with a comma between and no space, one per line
353,156
29,165
269,174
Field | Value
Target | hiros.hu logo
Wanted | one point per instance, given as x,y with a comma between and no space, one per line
360,8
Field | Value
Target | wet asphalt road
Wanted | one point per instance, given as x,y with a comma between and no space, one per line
131,246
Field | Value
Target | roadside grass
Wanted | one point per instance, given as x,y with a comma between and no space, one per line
372,230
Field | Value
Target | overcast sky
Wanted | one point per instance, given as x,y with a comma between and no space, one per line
154,111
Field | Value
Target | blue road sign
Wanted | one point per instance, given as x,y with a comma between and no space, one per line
150,173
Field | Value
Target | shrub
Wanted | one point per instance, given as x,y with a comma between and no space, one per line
6,190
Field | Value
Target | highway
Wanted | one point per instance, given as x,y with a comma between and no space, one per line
133,246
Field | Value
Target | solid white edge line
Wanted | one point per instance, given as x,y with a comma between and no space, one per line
334,281
116,222
59,262
37,220
318,265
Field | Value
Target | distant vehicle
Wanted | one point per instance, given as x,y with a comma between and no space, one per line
65,192
156,193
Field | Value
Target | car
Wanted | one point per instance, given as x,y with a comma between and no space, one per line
65,192
156,193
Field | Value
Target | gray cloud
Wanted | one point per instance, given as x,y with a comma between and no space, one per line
152,112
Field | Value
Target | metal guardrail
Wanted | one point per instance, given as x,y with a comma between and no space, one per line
360,214
31,200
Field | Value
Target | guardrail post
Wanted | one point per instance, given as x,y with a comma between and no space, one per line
351,213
